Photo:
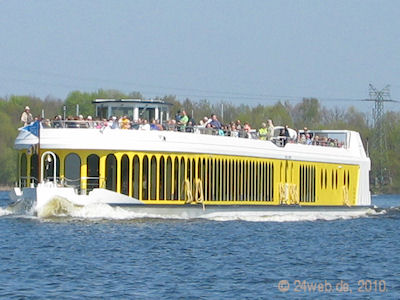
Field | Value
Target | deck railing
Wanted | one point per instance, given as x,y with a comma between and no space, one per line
317,137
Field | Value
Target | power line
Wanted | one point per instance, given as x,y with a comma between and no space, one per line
177,91
204,94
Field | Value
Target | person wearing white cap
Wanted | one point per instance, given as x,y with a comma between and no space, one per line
26,116
90,122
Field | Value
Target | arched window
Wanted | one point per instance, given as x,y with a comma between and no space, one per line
161,178
125,175
145,178
111,173
204,177
258,181
223,179
176,178
271,182
169,179
182,179
23,170
49,167
326,178
73,170
193,178
210,179
336,179
153,183
218,188
135,177
348,179
93,172
34,168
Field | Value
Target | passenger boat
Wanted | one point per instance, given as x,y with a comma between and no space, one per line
190,174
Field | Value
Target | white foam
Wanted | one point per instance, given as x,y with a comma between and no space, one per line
288,216
61,207
104,211
5,211
21,208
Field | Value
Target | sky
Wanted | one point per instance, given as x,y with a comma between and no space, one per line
251,52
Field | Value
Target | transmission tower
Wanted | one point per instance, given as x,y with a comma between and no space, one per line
379,137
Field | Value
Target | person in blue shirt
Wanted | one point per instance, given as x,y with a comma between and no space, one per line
214,122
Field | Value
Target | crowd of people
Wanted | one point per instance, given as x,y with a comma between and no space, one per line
183,123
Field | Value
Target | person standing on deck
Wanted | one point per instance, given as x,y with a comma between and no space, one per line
270,132
26,116
263,131
184,119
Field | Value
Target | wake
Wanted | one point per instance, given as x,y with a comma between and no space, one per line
61,208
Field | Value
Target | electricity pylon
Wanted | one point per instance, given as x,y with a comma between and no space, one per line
382,176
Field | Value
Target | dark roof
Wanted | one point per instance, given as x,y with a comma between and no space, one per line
145,101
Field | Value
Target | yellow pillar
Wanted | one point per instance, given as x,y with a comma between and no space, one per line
118,157
83,175
130,157
28,171
157,177
277,174
61,166
102,171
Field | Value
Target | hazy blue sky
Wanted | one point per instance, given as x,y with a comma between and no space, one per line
239,51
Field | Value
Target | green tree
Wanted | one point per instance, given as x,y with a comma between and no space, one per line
230,112
279,114
307,113
175,105
8,157
390,157
79,102
135,95
188,106
202,109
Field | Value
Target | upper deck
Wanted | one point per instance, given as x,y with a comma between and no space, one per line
334,146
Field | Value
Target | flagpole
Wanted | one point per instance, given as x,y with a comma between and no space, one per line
38,151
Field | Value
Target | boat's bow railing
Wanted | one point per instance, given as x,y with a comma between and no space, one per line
25,181
93,182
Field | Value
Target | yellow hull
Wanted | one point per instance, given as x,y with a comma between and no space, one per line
179,178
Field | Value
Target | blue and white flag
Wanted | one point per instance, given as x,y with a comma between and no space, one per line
33,128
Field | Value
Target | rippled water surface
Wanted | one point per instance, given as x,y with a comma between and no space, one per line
128,258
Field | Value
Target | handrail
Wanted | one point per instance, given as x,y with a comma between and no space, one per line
196,129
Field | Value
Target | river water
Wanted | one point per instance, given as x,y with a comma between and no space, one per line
114,254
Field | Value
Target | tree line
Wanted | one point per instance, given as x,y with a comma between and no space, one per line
385,174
